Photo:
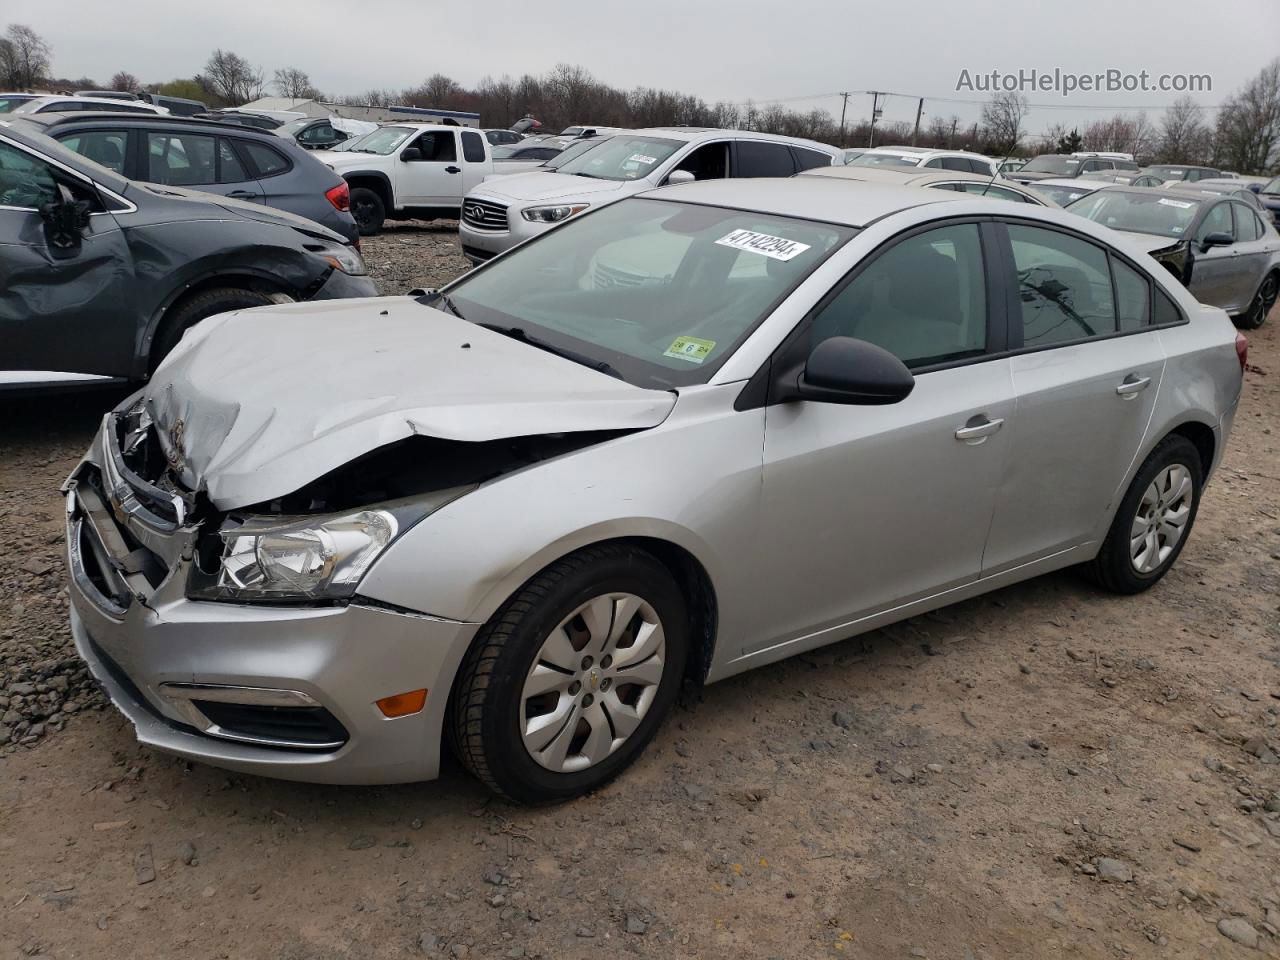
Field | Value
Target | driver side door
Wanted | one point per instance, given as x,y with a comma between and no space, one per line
1215,273
435,179
61,310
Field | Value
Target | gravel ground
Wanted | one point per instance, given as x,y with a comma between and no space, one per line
1045,771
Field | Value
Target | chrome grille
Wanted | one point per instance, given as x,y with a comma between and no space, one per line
484,215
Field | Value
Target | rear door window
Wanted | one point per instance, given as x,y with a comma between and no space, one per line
107,148
267,161
756,158
181,159
1064,287
1248,226
472,147
809,159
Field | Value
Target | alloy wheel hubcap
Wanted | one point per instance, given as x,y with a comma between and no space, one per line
592,682
1161,520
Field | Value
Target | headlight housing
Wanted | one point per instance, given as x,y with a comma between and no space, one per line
284,559
295,558
553,214
341,257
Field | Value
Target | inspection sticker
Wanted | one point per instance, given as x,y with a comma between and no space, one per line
690,348
1180,204
777,248
641,158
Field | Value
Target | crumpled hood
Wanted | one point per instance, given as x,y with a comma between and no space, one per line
261,402
541,185
1148,242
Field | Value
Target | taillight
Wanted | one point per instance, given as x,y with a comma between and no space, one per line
340,197
1242,350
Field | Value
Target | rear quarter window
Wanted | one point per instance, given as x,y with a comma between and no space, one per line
267,161
810,159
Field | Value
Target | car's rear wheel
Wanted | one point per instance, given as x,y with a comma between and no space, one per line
569,681
196,308
1262,303
1153,521
368,209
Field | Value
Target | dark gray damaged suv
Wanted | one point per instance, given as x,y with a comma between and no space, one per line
103,275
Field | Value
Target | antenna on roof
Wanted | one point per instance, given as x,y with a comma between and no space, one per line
1007,156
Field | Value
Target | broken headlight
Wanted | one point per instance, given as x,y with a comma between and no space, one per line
298,558
341,257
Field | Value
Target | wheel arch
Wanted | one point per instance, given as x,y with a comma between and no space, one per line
374,180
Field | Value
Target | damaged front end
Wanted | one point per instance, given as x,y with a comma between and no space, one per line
133,525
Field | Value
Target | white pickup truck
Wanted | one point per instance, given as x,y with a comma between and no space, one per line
406,171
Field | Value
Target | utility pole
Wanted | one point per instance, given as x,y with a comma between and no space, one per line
875,113
915,133
951,139
843,109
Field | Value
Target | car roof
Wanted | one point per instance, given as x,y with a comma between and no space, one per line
824,199
54,118
1076,183
929,152
131,106
903,174
697,134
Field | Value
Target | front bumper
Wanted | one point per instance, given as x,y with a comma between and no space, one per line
479,245
154,651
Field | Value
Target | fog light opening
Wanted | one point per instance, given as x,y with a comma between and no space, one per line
403,704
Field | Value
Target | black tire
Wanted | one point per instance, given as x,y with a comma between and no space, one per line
1262,303
369,211
1113,569
196,308
486,707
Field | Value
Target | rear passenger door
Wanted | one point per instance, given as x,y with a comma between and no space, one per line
1254,251
198,161
762,158
1086,370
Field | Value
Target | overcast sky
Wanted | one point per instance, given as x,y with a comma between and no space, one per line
718,49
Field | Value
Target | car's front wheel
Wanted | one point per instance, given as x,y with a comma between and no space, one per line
569,681
1154,519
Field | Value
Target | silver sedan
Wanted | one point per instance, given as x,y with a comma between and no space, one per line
680,437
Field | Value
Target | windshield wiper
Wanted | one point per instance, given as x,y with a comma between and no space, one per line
519,333
435,297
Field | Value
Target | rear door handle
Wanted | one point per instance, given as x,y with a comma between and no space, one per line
978,428
452,169
1133,385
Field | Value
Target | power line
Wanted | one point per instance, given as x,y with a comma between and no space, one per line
914,96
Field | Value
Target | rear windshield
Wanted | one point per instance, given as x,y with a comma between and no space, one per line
1139,212
1061,195
884,159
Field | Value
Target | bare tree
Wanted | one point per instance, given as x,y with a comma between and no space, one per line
232,78
1184,137
125,82
1248,129
1002,121
24,57
295,84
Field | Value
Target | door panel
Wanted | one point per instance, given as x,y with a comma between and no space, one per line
1216,275
867,507
435,180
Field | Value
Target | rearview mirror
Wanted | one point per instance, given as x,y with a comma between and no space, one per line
1216,240
680,176
410,154
845,370
64,220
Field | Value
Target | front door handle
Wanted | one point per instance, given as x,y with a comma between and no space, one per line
241,195
452,169
978,428
1133,385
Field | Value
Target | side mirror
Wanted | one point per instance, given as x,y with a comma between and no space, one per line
1216,240
680,176
845,370
64,221
410,154
1255,187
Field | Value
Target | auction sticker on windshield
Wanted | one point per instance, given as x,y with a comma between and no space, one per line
1180,204
690,348
777,248
641,158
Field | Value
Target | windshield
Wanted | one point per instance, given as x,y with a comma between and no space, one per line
293,127
1139,212
384,140
1272,187
663,292
8,104
622,158
572,152
1052,163
881,159
571,132
1170,173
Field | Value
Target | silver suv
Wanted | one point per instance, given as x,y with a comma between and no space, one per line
498,214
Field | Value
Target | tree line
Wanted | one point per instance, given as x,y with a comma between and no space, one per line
1243,135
